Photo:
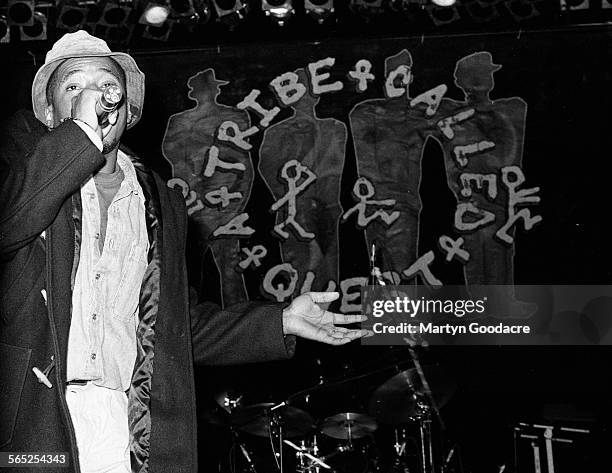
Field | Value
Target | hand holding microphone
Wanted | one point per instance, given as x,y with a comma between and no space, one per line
94,107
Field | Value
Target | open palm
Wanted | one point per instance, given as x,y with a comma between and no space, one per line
305,318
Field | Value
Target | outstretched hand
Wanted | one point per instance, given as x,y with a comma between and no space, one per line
304,318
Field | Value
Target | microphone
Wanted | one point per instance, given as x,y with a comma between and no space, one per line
108,103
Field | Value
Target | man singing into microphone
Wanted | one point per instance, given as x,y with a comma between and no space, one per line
97,339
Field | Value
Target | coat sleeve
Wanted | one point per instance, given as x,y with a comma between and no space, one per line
247,332
39,170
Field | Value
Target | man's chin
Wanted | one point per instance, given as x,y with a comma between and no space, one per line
108,146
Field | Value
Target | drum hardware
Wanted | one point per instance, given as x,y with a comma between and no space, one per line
276,421
348,426
229,400
446,463
245,453
352,458
414,395
400,464
308,461
427,457
537,434
264,418
409,394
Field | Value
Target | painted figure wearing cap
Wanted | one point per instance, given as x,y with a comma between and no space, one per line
97,336
501,124
190,135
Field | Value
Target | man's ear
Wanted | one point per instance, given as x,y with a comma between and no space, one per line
49,115
130,116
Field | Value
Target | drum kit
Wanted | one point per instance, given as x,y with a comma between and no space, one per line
404,406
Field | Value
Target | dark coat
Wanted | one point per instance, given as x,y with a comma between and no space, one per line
40,175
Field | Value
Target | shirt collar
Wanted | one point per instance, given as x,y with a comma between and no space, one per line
129,172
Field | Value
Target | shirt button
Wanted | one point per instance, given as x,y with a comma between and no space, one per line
98,275
93,356
94,316
97,236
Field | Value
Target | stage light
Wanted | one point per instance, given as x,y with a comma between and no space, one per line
71,18
183,11
230,7
482,11
279,10
320,10
443,15
522,10
5,30
606,4
444,3
231,12
574,4
114,15
37,31
20,12
154,14
203,11
119,35
158,33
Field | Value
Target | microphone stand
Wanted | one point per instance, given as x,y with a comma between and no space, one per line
276,423
427,457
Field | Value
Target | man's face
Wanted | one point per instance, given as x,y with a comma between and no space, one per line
96,73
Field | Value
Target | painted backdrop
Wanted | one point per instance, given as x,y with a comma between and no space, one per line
279,135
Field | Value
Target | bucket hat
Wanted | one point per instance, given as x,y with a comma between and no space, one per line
82,44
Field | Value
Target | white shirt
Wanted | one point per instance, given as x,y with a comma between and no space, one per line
102,339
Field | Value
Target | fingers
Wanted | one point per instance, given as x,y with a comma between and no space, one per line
84,107
346,338
341,319
323,297
345,335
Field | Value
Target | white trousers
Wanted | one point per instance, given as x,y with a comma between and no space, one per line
100,418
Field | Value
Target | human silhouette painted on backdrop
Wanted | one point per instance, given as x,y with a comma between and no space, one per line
389,136
186,145
497,127
301,161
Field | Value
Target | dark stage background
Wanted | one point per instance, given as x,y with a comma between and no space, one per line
564,78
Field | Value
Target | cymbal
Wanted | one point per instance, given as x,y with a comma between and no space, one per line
396,401
255,419
348,425
215,415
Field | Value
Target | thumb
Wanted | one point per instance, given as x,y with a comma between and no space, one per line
323,297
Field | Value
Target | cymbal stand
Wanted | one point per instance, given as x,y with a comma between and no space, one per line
399,463
303,455
349,426
276,426
427,457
